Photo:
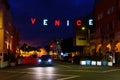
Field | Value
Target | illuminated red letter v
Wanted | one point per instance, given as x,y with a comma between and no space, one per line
33,20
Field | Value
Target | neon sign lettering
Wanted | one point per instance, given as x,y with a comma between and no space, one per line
33,20
68,23
79,22
45,22
90,22
58,22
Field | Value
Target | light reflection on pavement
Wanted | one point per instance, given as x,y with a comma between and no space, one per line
59,72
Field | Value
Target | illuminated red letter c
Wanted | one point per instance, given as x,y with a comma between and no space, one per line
78,22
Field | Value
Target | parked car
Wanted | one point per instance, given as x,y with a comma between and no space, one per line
45,60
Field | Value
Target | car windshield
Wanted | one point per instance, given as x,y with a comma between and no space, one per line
45,57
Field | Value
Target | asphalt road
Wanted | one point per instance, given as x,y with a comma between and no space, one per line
60,71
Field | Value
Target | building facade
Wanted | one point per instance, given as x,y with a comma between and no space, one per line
8,34
55,48
107,22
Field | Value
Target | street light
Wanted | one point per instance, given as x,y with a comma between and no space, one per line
88,32
83,28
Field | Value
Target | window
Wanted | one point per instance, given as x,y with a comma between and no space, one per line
110,26
106,37
119,16
82,38
110,10
100,29
100,16
5,57
111,36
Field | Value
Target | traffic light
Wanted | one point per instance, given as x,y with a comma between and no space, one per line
51,47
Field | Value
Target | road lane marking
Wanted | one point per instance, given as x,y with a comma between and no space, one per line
64,66
66,78
112,70
105,71
84,71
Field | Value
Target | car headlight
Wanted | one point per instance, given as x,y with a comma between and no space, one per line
49,60
39,60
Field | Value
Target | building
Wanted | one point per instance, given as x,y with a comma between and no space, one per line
83,32
8,34
107,22
80,32
55,48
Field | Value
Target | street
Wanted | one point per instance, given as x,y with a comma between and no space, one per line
60,71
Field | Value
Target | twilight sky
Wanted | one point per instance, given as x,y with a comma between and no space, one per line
38,34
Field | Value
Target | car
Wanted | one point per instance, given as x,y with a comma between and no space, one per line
45,60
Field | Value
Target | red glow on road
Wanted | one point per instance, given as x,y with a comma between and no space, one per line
33,20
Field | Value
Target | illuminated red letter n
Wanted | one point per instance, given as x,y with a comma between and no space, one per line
57,22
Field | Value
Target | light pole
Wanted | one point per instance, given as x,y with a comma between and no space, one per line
88,35
87,30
